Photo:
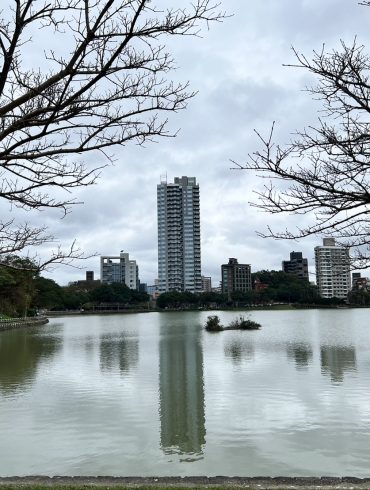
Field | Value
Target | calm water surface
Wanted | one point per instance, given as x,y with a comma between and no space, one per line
154,394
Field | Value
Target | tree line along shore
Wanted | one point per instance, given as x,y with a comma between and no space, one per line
24,292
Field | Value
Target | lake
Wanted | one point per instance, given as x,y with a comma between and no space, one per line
153,394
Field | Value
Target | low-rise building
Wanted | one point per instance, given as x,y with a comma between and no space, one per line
119,269
153,291
259,286
297,265
359,282
235,276
89,275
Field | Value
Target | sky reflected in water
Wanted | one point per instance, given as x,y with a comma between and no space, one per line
154,394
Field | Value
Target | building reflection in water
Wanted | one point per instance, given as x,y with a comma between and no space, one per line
118,352
238,351
181,387
301,353
337,360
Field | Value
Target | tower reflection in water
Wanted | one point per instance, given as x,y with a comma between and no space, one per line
301,353
181,387
337,360
118,352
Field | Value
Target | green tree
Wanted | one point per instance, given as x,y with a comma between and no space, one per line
16,285
48,294
114,293
359,297
174,299
73,299
139,297
212,297
283,287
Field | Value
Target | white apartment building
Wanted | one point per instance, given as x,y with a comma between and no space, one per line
332,270
179,262
119,269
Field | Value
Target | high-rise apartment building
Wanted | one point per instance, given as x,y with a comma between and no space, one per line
296,265
332,270
179,265
235,277
119,269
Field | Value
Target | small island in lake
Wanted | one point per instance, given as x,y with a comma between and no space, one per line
213,324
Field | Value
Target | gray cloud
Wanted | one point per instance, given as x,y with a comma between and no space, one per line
238,70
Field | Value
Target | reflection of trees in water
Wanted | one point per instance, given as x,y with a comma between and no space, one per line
181,388
21,352
238,350
336,360
301,353
118,352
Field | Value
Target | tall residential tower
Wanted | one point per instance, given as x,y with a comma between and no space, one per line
332,270
179,266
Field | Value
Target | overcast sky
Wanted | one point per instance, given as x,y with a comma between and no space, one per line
237,69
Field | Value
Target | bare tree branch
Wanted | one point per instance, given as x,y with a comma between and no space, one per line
326,168
15,239
106,84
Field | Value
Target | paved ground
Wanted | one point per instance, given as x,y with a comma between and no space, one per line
257,483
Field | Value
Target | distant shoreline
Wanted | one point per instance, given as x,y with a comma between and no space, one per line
172,310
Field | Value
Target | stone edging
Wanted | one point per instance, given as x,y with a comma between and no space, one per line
255,483
11,323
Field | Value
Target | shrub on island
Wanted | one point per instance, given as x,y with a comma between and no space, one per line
213,324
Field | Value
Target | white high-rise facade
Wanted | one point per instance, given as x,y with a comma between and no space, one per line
179,261
332,270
